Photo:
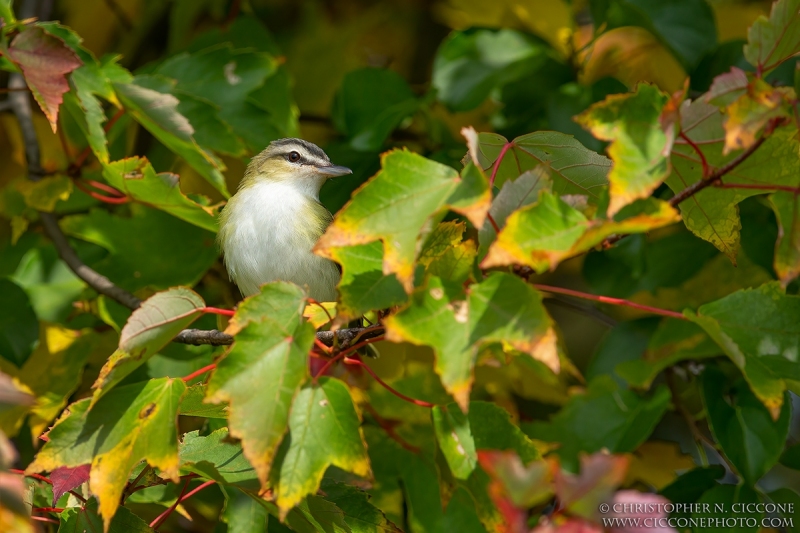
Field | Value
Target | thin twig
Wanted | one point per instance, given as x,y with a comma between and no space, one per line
409,399
609,300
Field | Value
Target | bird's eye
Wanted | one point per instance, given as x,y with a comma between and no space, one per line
294,157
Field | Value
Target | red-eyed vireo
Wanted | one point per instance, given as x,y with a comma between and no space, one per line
268,228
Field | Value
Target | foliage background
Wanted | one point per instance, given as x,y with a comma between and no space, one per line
359,78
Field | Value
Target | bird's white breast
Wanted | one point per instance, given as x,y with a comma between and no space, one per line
267,232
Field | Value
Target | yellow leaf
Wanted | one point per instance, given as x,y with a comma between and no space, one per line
657,463
632,55
43,195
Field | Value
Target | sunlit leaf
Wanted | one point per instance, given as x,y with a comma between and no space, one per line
639,144
127,425
323,431
45,61
759,329
264,370
398,202
455,439
216,456
136,177
712,214
573,168
148,329
773,40
749,113
501,309
157,111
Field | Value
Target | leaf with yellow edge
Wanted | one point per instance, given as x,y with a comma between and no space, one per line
749,113
398,203
320,314
639,145
502,309
446,256
759,329
787,251
712,214
323,431
63,352
130,424
537,234
263,371
149,328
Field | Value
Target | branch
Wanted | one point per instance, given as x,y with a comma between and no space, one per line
609,300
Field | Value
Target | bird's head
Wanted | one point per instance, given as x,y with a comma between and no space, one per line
293,162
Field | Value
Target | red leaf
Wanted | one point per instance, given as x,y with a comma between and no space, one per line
44,60
65,479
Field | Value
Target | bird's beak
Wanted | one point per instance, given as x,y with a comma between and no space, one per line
334,170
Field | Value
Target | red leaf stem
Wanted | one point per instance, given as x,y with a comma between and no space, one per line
421,403
218,311
609,300
98,196
34,476
345,353
703,161
200,372
45,519
48,510
183,497
493,223
499,160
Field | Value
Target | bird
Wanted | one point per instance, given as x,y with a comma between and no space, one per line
269,227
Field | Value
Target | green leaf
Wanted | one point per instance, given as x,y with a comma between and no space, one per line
149,328
787,501
787,249
157,111
690,486
6,12
217,456
370,104
686,27
323,431
673,341
791,457
737,504
470,64
415,475
537,235
604,417
743,427
193,404
136,177
462,438
85,518
148,249
264,370
45,193
639,143
573,168
252,95
455,439
712,214
772,41
396,204
19,327
129,424
363,286
446,255
759,329
91,80
500,309
515,193
45,61
244,514
359,514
